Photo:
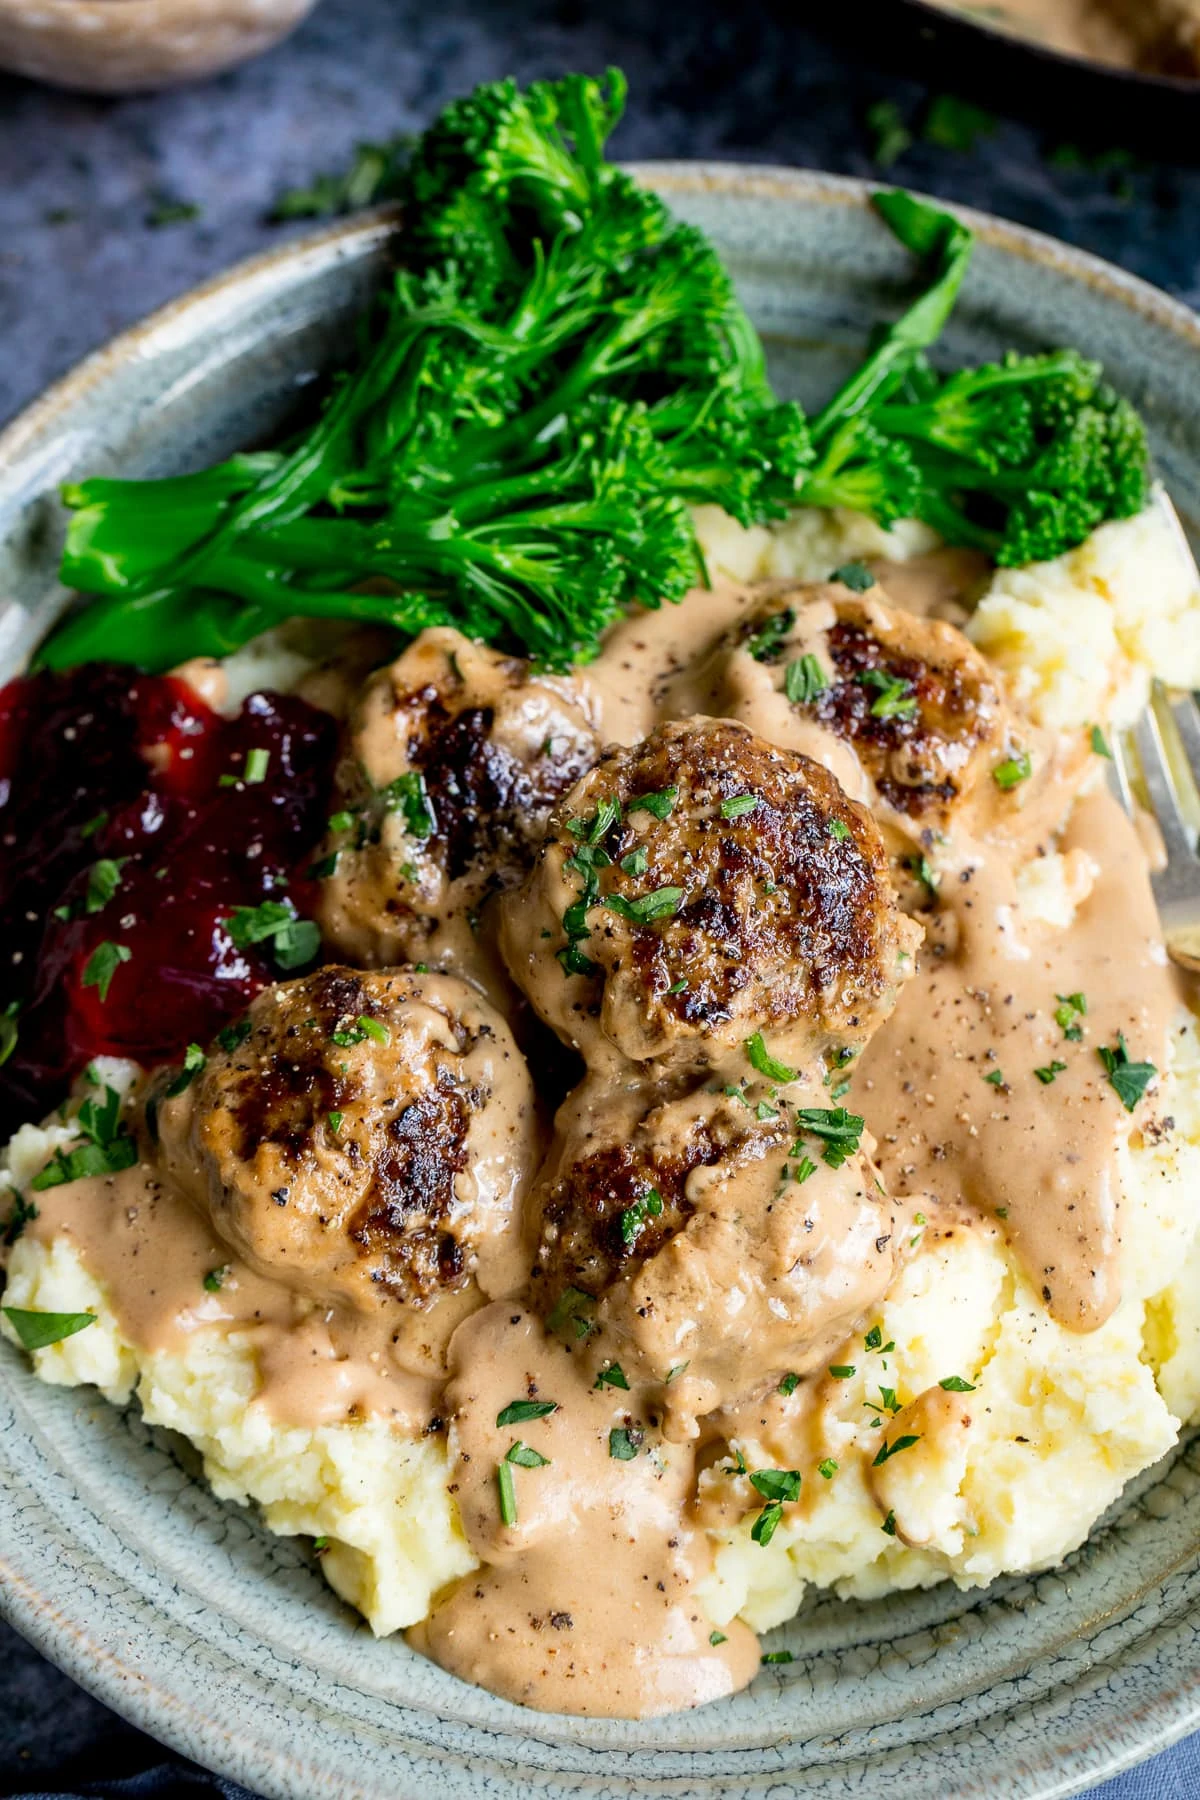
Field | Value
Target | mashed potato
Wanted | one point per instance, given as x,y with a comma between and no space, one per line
1040,1428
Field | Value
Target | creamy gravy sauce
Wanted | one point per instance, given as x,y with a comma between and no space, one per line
586,1601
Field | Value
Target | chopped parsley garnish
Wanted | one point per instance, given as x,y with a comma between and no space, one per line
828,1468
20,1215
717,1637
1100,743
660,805
8,1029
764,1111
676,1370
103,964
737,804
1013,770
320,1545
737,1466
1067,1014
789,1384
954,1384
838,828
37,1330
995,1077
518,1411
193,1061
294,941
624,1442
840,1131
854,575
777,1487
104,878
874,1338
526,1457
804,680
613,1376
777,1484
766,642
889,1525
841,1371
803,1170
409,795
571,1314
214,1281
94,825
887,1451
894,696
232,1037
646,1206
663,903
341,821
258,761
778,1656
106,1149
1128,1080
1046,1075
508,1493
766,1064
362,1028
925,873
327,866
335,1122
636,863
676,987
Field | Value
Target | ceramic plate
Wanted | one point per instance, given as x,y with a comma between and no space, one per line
191,1620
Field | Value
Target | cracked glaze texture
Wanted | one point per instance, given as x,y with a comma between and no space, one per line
186,1616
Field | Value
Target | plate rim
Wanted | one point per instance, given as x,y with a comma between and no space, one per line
131,1689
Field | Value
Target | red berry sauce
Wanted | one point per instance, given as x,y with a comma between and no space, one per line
104,765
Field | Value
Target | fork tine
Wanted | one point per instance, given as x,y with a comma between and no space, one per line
1118,775
1186,715
1156,773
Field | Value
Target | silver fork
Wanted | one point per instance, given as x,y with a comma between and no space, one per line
1159,760
1158,763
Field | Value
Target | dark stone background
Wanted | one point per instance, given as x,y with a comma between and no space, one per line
82,178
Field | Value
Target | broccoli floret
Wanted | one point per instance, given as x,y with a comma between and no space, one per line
859,467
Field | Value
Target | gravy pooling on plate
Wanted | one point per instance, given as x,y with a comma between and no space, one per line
732,1183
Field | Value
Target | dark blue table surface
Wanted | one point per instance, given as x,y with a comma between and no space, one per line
81,180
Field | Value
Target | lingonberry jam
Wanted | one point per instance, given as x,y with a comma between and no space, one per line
134,823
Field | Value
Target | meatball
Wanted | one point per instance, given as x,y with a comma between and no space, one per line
453,757
363,1138
904,710
701,887
707,1240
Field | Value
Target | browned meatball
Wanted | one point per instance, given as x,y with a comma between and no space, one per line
701,887
917,707
454,755
702,1239
906,713
364,1138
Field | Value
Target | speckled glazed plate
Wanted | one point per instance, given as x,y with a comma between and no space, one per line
184,1614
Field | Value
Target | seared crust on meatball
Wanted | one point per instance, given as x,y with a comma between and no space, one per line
607,1200
699,1238
703,886
453,757
916,703
364,1138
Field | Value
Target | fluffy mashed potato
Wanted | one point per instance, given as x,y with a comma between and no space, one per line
376,1501
1040,1428
1038,1432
